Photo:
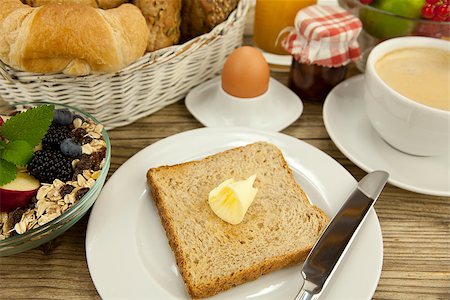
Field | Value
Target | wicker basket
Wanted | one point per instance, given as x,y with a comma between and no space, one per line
154,81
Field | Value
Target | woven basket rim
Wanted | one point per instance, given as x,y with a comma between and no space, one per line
153,59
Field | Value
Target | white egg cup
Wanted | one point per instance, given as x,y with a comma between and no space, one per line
244,111
274,110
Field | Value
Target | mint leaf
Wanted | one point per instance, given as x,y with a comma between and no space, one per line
29,126
8,172
18,153
2,147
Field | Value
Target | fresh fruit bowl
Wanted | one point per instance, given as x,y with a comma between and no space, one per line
385,19
55,205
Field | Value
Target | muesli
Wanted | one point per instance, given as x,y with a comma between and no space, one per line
49,159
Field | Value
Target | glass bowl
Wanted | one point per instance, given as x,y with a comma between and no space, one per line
380,25
44,233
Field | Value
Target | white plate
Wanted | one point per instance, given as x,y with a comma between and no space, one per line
279,108
128,254
278,60
347,124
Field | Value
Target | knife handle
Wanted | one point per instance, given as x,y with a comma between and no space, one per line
307,291
304,295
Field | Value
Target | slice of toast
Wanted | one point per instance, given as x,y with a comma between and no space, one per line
279,229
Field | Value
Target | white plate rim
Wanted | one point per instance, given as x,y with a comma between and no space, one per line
364,166
269,135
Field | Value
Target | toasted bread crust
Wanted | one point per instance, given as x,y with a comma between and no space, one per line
250,274
240,276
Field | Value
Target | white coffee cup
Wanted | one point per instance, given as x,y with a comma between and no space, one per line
403,123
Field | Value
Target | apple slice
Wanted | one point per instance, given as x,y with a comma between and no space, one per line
18,192
3,119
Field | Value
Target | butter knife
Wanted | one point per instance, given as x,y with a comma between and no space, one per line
334,241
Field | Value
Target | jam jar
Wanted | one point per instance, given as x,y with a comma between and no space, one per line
314,82
322,44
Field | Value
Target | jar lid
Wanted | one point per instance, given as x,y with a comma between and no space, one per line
324,35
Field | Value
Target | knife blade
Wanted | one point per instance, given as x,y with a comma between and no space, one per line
337,236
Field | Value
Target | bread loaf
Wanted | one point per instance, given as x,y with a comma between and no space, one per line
105,4
279,229
36,3
200,16
163,20
73,39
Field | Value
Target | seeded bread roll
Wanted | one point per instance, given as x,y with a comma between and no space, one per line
200,16
279,229
72,38
163,20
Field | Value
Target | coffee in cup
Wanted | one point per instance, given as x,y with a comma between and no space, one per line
421,74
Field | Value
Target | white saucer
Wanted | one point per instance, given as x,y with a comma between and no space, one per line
279,108
347,124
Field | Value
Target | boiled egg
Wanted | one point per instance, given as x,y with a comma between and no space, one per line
245,73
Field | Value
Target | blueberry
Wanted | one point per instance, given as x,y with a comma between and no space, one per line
63,117
70,148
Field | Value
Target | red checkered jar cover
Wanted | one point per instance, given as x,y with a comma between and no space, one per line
324,35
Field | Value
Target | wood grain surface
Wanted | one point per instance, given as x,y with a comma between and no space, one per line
415,227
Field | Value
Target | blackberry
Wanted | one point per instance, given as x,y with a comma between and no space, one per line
54,137
47,165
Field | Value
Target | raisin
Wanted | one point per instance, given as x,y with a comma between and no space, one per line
95,161
15,216
80,193
86,140
83,164
102,153
78,134
66,189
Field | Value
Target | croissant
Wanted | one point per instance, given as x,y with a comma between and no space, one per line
36,3
73,39
105,4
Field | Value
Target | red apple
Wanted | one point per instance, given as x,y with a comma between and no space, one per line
1,121
18,192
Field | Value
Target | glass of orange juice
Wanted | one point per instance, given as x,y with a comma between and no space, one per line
272,16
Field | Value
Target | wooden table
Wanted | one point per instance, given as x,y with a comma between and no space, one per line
415,228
